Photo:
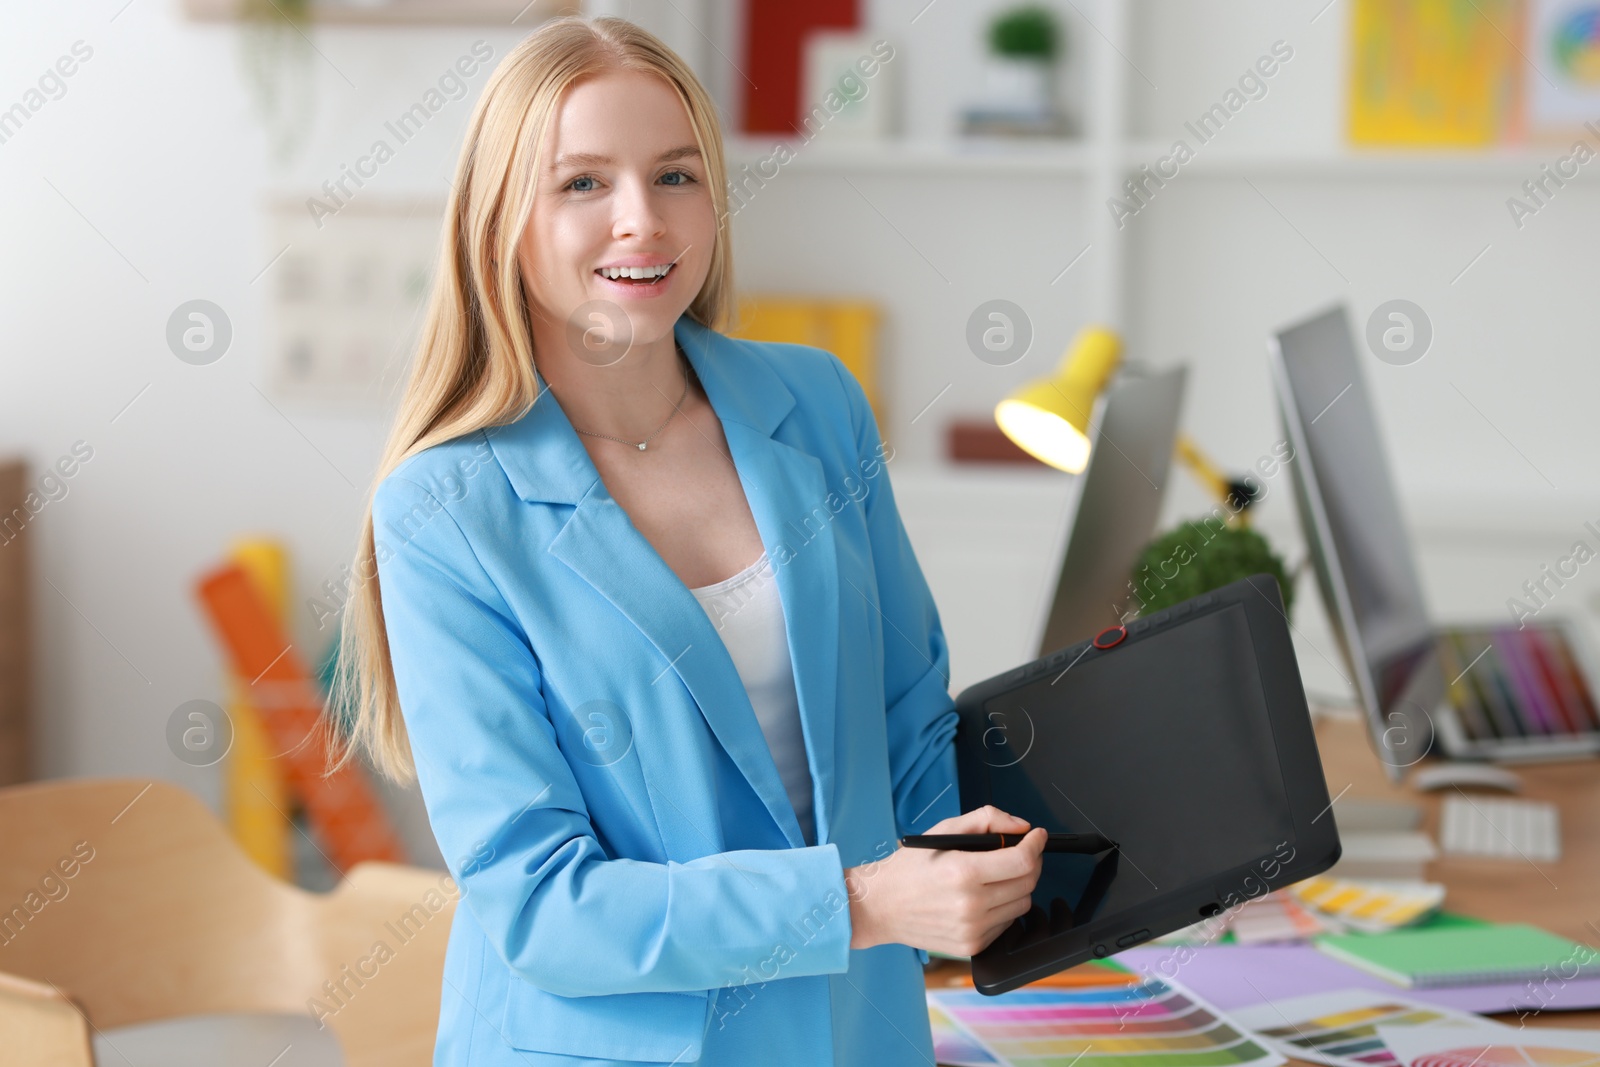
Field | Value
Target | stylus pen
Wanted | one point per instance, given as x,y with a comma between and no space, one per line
1087,844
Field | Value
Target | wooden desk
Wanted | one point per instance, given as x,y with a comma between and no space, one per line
1562,897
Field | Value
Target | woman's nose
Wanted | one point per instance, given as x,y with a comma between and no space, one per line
636,213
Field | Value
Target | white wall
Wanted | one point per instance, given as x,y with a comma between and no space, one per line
164,163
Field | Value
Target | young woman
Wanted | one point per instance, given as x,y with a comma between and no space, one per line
646,627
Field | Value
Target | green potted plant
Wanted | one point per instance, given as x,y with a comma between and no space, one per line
1197,557
1024,43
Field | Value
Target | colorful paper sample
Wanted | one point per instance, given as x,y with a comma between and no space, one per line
1341,1028
1153,1024
1486,1045
1370,906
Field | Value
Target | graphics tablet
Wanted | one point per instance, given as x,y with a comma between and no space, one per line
1185,738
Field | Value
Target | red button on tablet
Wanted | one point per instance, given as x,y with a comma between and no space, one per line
1121,632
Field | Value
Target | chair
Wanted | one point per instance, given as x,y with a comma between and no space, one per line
125,901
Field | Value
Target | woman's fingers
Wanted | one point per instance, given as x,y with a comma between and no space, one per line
1000,894
1004,913
1014,861
996,821
999,927
985,820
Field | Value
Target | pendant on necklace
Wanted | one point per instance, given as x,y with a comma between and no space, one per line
642,444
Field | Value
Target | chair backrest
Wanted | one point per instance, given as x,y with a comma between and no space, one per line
129,897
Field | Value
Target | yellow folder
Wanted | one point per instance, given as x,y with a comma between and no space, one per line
847,328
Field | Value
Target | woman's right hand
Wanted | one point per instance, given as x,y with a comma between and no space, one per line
944,900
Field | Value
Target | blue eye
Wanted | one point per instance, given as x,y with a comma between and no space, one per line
575,187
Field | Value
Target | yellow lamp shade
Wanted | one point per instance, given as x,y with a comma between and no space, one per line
1049,418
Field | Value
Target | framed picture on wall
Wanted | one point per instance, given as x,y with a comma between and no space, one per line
1562,76
849,85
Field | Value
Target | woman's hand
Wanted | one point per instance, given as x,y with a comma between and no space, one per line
944,900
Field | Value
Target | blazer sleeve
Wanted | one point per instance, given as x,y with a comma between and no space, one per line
916,662
513,825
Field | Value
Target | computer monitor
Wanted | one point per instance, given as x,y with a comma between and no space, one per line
1114,506
1351,518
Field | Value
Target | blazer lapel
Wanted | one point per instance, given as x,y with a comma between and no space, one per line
788,497
787,493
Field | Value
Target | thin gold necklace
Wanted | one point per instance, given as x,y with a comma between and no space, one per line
641,444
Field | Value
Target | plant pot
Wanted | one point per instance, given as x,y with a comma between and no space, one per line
1019,83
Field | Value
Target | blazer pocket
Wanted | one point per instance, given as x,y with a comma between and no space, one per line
649,1027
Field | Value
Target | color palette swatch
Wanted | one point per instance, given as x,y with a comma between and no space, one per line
1153,1024
1510,682
952,1047
1370,906
1094,973
1506,1056
1278,916
1341,1028
1490,1045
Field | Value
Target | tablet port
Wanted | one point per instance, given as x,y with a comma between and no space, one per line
1208,910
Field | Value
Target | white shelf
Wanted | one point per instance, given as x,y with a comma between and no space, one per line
405,12
1345,163
903,157
1078,158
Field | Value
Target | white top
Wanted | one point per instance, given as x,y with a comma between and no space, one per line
746,611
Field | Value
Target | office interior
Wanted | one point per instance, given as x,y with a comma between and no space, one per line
1181,180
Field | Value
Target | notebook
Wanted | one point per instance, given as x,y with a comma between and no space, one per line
1462,955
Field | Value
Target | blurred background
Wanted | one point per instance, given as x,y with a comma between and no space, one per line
221,221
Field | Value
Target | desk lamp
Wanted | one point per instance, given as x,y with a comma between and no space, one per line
1049,418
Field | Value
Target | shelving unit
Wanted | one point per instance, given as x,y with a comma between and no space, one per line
910,157
1089,169
1275,217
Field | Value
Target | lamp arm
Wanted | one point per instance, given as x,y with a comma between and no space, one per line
1205,472
1222,487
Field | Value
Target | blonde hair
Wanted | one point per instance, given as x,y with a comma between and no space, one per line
473,366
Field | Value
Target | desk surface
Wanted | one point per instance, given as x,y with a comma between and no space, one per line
1562,897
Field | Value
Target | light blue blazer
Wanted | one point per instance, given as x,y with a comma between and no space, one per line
635,885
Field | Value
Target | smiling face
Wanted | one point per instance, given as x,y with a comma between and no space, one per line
622,196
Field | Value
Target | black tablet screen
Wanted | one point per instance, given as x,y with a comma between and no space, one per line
1156,743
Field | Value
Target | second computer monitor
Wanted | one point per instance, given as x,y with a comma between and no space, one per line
1350,514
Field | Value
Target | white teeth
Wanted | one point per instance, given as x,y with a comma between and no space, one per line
636,272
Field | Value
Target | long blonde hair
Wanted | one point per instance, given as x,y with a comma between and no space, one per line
473,366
